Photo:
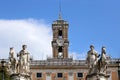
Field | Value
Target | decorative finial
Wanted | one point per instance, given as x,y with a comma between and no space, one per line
60,13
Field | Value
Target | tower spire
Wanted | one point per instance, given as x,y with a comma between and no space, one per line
60,12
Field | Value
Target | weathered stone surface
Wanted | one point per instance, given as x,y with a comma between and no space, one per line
96,76
20,77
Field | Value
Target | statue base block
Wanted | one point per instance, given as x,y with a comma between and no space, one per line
96,76
20,77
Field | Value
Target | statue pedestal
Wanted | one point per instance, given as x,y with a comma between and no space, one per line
20,77
96,76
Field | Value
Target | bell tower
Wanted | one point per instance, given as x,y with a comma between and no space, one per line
60,41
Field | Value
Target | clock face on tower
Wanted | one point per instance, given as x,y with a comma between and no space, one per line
60,42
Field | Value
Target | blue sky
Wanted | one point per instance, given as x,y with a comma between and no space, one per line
94,22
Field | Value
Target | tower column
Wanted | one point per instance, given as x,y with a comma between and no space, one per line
65,51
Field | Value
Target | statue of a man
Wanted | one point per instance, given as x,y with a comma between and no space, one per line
24,60
103,61
13,61
104,58
92,58
11,53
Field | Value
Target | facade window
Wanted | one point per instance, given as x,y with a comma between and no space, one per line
38,75
59,75
80,75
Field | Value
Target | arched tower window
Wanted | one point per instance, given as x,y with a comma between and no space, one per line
60,49
60,52
60,34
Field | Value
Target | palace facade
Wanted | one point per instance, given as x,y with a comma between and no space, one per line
62,67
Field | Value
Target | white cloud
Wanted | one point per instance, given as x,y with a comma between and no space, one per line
78,56
34,33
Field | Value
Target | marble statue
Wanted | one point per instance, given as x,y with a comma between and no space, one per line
19,69
24,60
12,61
97,66
92,59
102,63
